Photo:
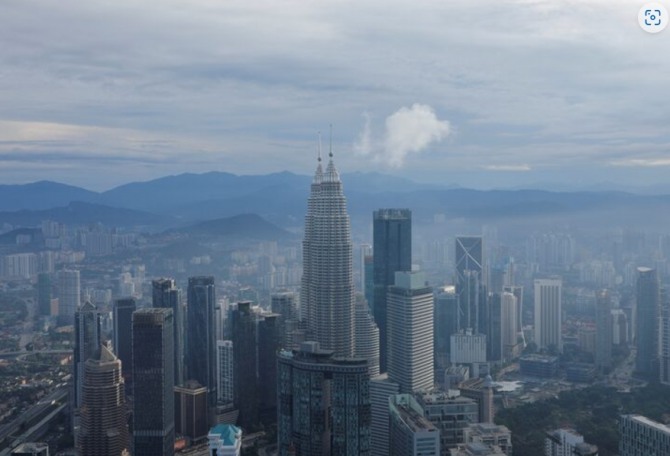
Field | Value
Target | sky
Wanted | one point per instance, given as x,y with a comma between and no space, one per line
482,94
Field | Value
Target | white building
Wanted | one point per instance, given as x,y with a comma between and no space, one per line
509,327
468,348
641,436
548,314
561,442
381,389
225,440
225,372
410,332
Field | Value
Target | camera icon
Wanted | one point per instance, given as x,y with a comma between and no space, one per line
653,17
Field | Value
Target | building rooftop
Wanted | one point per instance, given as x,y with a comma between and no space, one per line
227,432
651,423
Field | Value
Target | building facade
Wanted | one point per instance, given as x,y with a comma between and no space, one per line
647,315
123,336
166,295
201,334
548,314
641,436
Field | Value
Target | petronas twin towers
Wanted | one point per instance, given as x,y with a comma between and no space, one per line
327,292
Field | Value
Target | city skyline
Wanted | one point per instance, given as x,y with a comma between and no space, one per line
541,91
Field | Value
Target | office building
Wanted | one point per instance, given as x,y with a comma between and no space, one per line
69,290
647,314
87,344
603,352
468,348
490,434
410,332
470,281
123,337
266,373
517,291
327,291
562,442
323,403
225,369
548,315
535,365
44,293
410,433
493,325
201,334
245,362
104,429
381,389
641,436
225,440
367,337
166,295
392,252
665,343
367,274
191,410
445,323
285,304
153,382
509,326
481,391
451,414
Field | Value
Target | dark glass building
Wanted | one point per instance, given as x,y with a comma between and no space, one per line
166,295
153,382
245,360
648,312
87,344
44,293
392,252
323,403
123,336
201,334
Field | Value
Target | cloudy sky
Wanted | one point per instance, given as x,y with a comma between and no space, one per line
486,93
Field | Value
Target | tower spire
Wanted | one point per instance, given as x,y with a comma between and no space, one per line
319,155
330,152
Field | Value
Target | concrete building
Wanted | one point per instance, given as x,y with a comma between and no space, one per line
327,288
468,348
323,403
410,433
548,314
225,440
562,442
410,332
647,317
87,344
603,355
641,436
191,410
225,369
451,414
381,389
490,434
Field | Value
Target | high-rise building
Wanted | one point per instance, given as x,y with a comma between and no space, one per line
323,403
509,325
392,250
641,436
201,334
648,308
381,389
548,314
153,382
445,323
494,339
490,434
225,369
603,355
44,293
665,341
245,362
191,410
367,337
410,433
166,295
123,336
410,332
517,291
285,304
327,291
367,267
266,372
87,344
470,281
68,295
104,429
468,348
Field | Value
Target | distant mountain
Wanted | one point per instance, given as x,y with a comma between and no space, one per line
41,195
250,226
79,213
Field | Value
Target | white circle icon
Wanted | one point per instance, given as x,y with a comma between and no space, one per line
653,17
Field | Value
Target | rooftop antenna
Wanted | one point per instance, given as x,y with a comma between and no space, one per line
319,156
330,152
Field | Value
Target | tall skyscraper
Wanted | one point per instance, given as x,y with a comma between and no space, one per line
603,353
68,295
392,252
226,372
245,362
123,336
665,341
470,281
410,332
509,325
87,344
285,304
266,373
166,295
104,428
548,314
201,334
327,291
494,338
153,382
44,293
323,403
445,323
648,308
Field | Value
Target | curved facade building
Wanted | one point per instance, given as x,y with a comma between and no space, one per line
327,292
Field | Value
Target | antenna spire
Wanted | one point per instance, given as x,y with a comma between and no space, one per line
330,152
319,156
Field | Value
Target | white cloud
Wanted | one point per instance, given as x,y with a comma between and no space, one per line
512,168
407,131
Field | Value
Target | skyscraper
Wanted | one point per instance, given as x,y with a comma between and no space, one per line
201,334
245,361
285,304
87,344
392,252
445,323
104,429
603,353
226,372
548,314
410,332
44,293
648,308
509,325
153,382
166,295
123,336
367,336
470,281
323,403
327,291
68,295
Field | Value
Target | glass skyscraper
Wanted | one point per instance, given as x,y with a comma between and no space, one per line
201,334
166,295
